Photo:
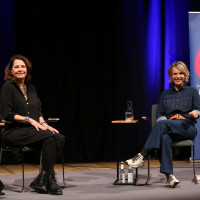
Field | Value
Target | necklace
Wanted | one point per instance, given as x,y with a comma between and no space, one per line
24,91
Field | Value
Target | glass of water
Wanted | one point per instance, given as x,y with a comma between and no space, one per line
129,112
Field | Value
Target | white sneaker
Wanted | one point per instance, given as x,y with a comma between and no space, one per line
172,181
136,161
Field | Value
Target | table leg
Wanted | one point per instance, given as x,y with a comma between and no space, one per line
117,169
117,151
136,176
117,180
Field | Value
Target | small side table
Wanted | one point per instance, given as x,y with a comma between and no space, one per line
133,123
117,181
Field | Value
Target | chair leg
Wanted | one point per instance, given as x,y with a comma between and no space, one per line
195,178
22,154
1,150
149,177
63,169
41,160
22,171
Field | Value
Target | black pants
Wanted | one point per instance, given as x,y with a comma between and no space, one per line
50,152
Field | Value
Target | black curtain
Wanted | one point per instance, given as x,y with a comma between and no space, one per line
88,60
83,69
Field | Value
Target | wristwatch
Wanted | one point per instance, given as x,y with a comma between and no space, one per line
26,120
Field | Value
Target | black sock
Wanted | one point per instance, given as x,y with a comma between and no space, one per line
167,174
145,152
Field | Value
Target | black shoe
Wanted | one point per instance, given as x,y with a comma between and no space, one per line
39,184
51,184
1,188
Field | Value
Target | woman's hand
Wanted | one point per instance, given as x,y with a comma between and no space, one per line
50,128
194,114
36,124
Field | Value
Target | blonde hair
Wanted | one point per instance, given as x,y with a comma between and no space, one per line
181,66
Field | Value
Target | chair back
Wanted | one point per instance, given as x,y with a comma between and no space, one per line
153,115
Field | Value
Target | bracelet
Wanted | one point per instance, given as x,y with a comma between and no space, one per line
42,122
26,120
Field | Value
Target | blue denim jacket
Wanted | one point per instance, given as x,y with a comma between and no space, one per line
181,102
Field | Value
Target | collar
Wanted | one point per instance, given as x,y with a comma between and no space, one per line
183,87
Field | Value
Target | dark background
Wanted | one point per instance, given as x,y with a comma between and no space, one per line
89,58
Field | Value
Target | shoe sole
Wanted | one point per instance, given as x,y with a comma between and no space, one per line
2,193
55,193
38,189
174,185
32,186
134,166
41,190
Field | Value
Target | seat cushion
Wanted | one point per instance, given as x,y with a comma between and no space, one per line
182,143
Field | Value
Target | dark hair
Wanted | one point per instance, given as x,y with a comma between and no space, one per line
8,74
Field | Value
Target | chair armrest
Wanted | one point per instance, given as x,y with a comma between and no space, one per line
2,124
144,118
52,120
6,122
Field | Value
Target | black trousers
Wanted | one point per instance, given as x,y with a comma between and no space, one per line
50,150
26,135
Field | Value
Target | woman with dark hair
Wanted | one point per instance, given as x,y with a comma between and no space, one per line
178,109
20,104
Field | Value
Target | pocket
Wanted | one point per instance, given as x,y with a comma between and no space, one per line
169,104
186,104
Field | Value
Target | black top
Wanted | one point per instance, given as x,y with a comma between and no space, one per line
12,102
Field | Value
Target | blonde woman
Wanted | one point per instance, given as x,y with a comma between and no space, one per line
178,109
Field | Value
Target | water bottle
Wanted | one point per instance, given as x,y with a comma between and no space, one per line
129,116
122,173
130,175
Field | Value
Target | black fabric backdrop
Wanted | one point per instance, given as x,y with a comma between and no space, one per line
88,60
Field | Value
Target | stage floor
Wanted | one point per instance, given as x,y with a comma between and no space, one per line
33,168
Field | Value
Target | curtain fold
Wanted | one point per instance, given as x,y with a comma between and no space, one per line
90,57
